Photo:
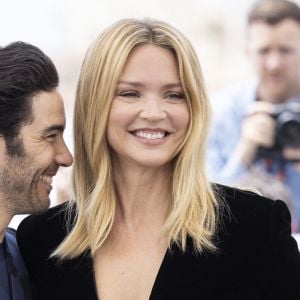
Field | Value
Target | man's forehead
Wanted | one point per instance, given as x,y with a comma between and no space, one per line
286,26
282,35
48,110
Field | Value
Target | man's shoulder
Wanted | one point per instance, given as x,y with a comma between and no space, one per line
11,232
10,238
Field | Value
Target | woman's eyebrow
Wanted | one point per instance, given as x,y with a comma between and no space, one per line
133,83
139,84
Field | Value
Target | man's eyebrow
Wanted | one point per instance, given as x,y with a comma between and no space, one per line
46,130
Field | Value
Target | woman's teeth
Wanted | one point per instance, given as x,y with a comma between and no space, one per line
150,135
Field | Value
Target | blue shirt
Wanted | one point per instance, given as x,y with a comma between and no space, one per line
229,108
14,282
4,284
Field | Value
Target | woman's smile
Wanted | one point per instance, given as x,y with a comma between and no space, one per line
151,107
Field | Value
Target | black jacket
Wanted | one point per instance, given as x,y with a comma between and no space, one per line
257,257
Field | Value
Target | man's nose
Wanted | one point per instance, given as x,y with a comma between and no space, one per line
63,156
274,61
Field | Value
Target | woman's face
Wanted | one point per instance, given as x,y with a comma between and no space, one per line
149,115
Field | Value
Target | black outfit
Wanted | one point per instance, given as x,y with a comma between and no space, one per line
257,257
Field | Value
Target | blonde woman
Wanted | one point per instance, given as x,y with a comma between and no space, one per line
146,223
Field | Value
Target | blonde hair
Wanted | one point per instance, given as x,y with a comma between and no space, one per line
194,207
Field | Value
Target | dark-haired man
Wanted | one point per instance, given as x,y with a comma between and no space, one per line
245,131
32,121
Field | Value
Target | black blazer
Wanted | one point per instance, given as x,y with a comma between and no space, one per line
257,257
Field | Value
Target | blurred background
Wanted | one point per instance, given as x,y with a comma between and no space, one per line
63,29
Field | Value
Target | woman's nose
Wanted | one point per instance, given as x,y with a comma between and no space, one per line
153,109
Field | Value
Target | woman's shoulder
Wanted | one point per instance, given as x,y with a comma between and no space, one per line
252,213
45,231
243,201
54,217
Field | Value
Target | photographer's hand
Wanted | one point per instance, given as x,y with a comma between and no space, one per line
292,154
257,129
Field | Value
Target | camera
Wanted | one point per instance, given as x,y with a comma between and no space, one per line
287,134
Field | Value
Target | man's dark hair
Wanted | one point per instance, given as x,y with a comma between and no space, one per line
274,11
24,72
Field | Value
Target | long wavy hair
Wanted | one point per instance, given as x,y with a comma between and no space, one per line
194,207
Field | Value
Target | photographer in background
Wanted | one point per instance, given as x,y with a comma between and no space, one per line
257,123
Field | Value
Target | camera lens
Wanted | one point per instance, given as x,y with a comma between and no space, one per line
290,133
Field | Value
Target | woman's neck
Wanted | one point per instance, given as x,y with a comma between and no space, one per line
144,194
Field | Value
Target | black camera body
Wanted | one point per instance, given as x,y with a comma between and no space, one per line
287,134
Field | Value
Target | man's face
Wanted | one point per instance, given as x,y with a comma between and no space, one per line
274,51
25,179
